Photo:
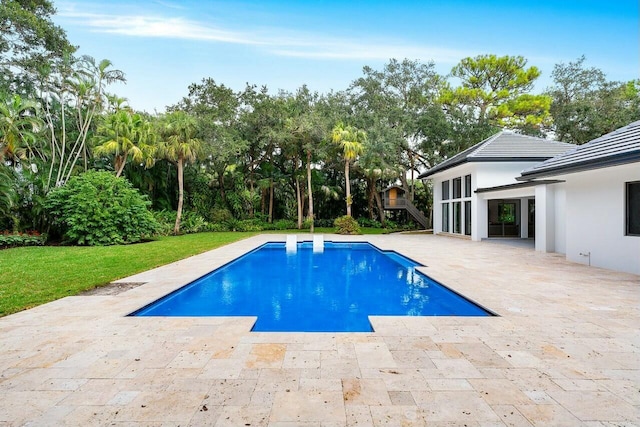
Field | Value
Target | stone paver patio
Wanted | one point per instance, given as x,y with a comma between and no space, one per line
565,351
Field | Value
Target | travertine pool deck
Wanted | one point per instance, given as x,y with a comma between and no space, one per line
565,351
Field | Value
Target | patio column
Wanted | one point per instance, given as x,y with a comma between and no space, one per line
479,218
545,221
524,216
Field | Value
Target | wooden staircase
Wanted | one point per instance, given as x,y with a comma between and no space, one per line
404,203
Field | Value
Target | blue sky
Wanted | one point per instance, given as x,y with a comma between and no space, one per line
165,45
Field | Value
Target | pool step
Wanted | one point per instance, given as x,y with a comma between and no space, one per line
292,243
318,243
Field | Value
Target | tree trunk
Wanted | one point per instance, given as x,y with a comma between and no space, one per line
251,177
271,202
405,184
223,195
348,186
413,182
299,200
380,208
311,216
371,183
120,162
176,228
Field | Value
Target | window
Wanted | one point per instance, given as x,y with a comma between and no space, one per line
633,208
457,188
467,217
457,217
467,186
445,190
445,217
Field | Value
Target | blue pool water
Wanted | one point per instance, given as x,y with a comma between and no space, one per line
332,291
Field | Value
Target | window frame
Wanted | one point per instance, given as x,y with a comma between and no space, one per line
457,218
467,185
445,217
457,188
467,218
446,191
628,208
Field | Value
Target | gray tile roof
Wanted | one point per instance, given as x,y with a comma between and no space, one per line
504,147
618,147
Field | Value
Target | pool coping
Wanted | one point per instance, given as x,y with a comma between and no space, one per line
565,351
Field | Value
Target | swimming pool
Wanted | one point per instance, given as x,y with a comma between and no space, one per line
310,291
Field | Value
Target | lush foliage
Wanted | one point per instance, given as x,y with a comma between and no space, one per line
28,40
221,159
96,208
10,240
346,225
585,105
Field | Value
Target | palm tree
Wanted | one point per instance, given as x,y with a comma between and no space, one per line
124,135
179,145
18,128
351,140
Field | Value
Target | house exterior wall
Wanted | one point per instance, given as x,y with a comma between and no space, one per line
493,174
582,217
595,218
483,175
448,175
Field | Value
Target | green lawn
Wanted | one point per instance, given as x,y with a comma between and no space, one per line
32,276
35,275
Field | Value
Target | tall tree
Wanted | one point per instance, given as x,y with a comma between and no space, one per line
179,145
28,39
72,96
351,141
307,130
586,105
216,108
379,163
494,92
262,123
405,97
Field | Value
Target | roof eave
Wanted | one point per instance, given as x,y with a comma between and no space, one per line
482,160
517,185
582,167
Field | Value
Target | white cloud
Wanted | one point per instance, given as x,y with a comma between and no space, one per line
276,41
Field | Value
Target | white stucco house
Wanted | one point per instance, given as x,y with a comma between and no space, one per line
582,201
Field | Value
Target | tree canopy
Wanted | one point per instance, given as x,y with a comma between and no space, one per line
223,158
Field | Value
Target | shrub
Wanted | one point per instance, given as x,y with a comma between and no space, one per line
371,223
285,224
191,222
217,227
231,224
249,225
323,222
166,220
96,208
22,239
220,214
346,225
